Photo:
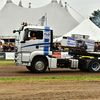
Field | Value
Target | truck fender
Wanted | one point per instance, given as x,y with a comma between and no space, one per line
35,53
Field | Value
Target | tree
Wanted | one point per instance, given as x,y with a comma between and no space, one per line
95,18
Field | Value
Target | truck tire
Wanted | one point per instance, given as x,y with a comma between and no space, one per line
29,68
39,65
94,66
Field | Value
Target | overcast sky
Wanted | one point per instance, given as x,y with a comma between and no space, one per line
83,7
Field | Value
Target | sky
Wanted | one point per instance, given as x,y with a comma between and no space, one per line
79,9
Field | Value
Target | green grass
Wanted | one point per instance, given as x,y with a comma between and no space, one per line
77,78
6,62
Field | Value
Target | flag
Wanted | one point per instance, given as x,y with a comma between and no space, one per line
42,22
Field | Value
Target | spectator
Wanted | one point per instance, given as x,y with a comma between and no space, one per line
95,47
5,47
55,47
59,47
63,49
1,46
66,49
99,47
57,44
12,47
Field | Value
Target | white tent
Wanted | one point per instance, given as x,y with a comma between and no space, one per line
58,18
86,27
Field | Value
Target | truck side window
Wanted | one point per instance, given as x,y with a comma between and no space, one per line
35,35
39,35
32,35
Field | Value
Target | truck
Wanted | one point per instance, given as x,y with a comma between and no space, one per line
38,54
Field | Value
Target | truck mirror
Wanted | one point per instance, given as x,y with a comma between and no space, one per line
14,31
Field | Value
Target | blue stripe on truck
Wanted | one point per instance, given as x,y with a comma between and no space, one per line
47,29
47,44
46,49
46,52
46,40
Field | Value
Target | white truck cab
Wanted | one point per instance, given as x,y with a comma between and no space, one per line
35,54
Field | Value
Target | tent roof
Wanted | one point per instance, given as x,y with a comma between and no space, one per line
11,17
86,27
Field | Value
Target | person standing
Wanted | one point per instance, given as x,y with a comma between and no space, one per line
55,47
95,47
99,47
0,46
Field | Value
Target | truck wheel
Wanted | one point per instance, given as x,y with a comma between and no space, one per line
94,66
39,65
29,68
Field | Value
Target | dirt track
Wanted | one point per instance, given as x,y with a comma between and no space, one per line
47,90
50,90
22,71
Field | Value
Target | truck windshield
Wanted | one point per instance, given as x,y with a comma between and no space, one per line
18,35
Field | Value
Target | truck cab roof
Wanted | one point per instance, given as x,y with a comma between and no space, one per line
37,27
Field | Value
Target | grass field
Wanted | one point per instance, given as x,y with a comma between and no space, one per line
6,62
77,78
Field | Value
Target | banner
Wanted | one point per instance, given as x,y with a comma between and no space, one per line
2,55
9,55
61,55
65,55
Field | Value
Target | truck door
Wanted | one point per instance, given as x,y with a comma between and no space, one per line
30,41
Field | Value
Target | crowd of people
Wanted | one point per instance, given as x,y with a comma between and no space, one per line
7,47
59,47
